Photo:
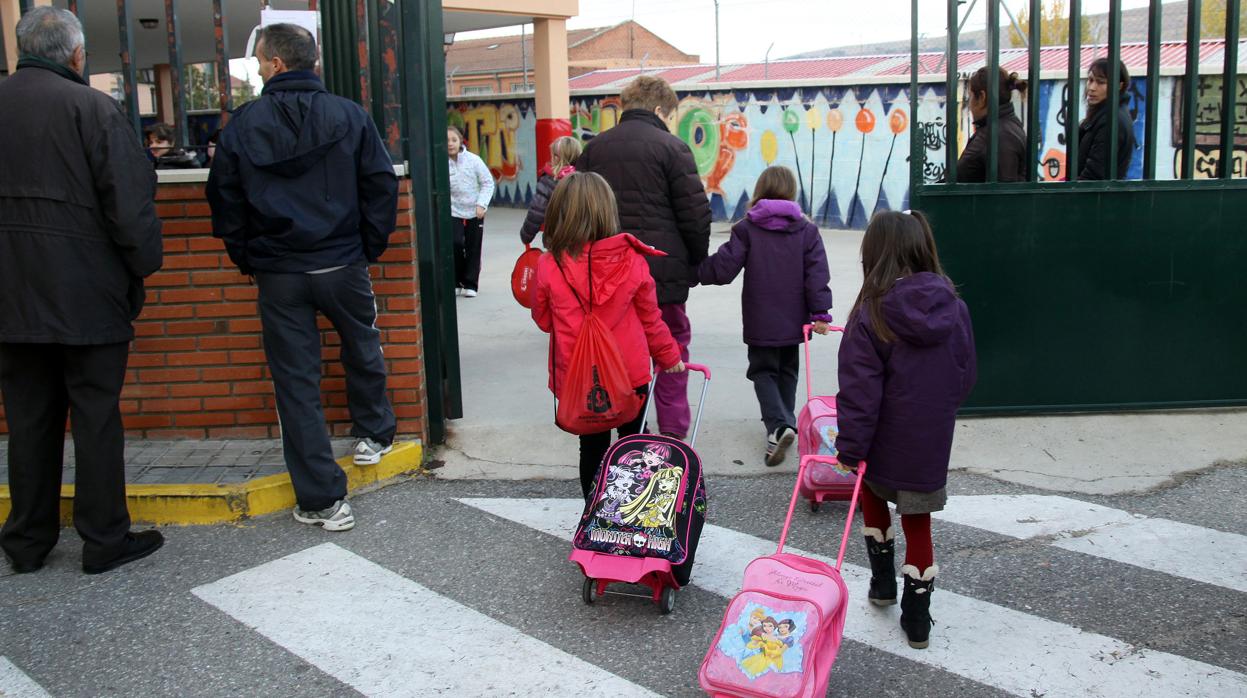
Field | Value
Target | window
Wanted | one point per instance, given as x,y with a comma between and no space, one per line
477,90
522,87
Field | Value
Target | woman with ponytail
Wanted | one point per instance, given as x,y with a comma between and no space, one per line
1011,159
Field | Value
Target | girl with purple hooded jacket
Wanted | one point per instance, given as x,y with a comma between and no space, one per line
907,362
786,287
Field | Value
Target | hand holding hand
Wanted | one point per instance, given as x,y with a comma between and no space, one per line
821,327
677,368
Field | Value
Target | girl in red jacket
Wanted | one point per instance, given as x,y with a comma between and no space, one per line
582,227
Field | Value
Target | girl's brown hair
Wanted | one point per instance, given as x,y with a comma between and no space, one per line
463,141
563,152
775,182
896,245
1008,83
581,209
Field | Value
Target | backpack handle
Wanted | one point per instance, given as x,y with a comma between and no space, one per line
805,337
796,490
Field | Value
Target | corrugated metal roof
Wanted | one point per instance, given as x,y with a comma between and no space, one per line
888,68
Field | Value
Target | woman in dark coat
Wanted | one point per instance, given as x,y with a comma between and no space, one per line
1093,132
1011,159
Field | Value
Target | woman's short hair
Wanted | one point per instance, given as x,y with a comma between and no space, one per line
649,93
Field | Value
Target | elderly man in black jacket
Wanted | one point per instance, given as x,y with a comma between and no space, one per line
78,233
663,202
304,195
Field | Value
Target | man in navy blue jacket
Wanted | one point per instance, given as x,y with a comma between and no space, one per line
304,196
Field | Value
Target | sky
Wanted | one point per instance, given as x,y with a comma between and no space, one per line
748,27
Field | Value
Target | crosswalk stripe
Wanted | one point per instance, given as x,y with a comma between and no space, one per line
1179,549
1018,653
16,684
369,628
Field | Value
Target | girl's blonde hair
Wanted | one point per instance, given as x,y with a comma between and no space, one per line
564,152
775,182
581,209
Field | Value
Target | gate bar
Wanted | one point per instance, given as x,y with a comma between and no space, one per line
1034,48
1229,91
1155,14
128,75
951,88
1114,85
173,34
993,90
363,38
1072,83
917,144
221,36
1190,88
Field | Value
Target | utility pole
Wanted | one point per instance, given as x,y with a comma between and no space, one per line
766,62
716,40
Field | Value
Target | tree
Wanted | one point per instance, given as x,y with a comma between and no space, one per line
244,92
1212,20
1053,27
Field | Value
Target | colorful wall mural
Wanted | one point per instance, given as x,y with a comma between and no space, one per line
849,145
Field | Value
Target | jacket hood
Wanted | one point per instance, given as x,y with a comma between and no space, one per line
776,214
309,122
612,263
922,309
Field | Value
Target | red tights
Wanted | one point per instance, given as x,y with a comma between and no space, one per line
918,549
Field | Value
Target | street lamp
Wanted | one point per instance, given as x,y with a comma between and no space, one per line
766,62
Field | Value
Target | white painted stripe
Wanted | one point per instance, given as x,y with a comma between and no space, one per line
1015,652
1175,548
385,635
15,684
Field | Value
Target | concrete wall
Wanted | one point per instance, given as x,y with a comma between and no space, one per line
850,144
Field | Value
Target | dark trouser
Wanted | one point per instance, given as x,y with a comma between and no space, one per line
773,371
468,252
41,383
671,390
593,447
292,342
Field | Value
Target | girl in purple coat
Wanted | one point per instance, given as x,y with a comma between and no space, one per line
907,363
786,287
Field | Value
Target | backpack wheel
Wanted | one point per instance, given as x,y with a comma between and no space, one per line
589,591
666,602
814,505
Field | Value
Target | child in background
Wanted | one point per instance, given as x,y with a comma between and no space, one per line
907,362
582,228
563,152
786,287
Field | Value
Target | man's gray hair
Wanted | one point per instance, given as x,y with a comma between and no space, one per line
50,34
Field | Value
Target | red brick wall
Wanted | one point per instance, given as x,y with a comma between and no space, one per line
197,367
615,44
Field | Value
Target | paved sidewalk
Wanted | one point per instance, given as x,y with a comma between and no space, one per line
508,430
216,462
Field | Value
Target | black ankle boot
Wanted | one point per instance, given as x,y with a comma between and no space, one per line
882,571
916,608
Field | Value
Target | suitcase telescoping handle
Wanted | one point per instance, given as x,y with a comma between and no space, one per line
701,403
796,490
805,334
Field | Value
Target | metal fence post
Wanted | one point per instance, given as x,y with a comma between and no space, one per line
1114,85
1033,144
129,76
1190,88
1229,91
1072,81
1155,14
173,34
993,90
951,88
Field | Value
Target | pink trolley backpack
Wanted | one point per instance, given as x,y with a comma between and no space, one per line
823,480
644,518
782,631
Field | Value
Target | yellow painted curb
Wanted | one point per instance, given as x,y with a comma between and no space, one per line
192,504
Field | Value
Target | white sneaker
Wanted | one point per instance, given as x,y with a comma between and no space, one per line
469,293
369,452
778,443
336,518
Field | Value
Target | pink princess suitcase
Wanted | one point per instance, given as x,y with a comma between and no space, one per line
781,632
816,436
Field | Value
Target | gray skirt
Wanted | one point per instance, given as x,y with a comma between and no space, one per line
908,502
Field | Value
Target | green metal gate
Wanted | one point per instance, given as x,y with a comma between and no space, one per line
1096,295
